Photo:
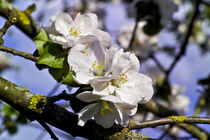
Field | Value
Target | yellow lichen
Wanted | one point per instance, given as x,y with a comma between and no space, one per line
202,101
23,17
178,119
125,130
132,122
197,111
35,100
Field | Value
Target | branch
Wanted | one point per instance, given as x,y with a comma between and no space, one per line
207,3
133,34
162,111
11,20
19,53
24,21
24,101
170,120
46,127
157,63
185,42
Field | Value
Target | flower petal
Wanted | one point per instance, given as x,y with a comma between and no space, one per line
87,96
62,23
87,113
107,119
100,88
144,87
111,98
86,23
58,39
79,64
103,36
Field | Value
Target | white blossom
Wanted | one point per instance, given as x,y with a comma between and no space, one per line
143,43
115,78
105,109
69,33
178,101
4,60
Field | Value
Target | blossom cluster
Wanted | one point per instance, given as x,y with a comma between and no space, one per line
113,74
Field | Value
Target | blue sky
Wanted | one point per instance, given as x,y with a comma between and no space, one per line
191,67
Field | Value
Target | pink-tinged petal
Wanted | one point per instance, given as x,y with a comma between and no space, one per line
63,22
87,113
88,96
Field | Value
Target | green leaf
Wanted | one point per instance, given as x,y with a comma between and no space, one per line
58,73
12,129
9,111
69,80
53,55
40,40
64,76
22,119
152,28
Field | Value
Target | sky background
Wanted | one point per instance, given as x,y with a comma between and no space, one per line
190,68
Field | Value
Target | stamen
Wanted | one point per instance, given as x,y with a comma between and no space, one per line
120,81
105,108
98,68
74,31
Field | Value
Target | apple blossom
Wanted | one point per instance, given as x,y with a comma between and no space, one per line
143,43
114,76
69,33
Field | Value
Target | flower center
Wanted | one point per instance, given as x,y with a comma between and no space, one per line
105,108
119,81
98,68
84,52
74,31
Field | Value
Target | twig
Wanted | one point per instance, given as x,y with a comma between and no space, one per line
207,3
133,34
53,89
19,53
169,120
11,20
61,96
46,127
157,63
185,42
165,132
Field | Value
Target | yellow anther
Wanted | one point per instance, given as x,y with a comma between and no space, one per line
85,52
105,108
120,81
74,31
98,68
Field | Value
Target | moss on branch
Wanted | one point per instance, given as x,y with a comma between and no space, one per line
24,21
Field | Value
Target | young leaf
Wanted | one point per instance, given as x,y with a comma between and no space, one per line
40,40
53,55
